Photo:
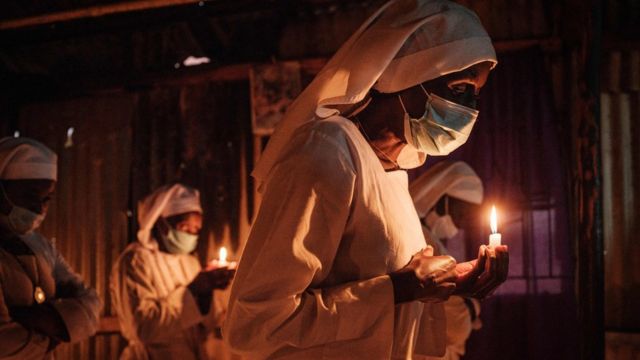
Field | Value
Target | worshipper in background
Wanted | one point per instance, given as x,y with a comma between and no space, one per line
42,301
446,196
163,299
336,264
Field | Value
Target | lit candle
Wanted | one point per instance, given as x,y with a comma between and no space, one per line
221,261
495,237
222,257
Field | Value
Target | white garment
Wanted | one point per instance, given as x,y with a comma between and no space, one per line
436,37
456,179
158,315
312,282
79,309
458,316
459,326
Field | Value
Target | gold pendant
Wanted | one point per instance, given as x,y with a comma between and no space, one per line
39,295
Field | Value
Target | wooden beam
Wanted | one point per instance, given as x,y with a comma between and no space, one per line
91,12
231,72
237,72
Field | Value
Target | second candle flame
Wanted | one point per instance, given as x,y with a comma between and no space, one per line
222,256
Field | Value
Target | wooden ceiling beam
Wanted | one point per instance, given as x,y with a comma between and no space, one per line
91,12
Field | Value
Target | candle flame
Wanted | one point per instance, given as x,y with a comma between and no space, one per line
493,220
223,254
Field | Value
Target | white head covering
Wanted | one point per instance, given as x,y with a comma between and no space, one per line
24,158
456,179
166,201
448,38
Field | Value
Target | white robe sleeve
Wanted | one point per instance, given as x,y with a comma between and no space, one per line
293,242
157,319
16,341
78,305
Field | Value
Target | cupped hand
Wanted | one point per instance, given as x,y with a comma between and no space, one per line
208,280
479,278
426,278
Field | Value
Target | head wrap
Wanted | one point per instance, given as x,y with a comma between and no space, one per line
448,38
24,158
166,201
457,180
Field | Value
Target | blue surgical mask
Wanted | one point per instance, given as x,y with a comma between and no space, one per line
20,221
443,127
179,242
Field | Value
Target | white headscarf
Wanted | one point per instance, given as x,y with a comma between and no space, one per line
457,180
24,158
448,38
166,201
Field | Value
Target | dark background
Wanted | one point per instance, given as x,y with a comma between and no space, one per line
557,142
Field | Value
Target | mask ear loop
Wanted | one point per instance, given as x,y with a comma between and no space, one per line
426,93
402,104
425,90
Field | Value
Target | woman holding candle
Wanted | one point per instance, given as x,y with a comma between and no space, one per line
164,301
336,265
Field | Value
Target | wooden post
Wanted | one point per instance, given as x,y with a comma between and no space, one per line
587,189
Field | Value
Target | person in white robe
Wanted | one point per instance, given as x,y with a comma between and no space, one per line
163,298
438,195
336,265
43,302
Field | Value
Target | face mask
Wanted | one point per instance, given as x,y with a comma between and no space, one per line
443,127
410,157
179,242
442,227
20,221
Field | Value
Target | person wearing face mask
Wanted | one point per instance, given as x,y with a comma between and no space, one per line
164,300
42,301
336,265
444,192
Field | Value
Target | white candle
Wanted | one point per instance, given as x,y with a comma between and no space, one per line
495,237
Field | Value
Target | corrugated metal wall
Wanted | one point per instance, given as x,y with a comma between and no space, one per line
124,146
620,101
88,218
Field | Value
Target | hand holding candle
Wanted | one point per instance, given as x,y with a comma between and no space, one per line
495,237
479,278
